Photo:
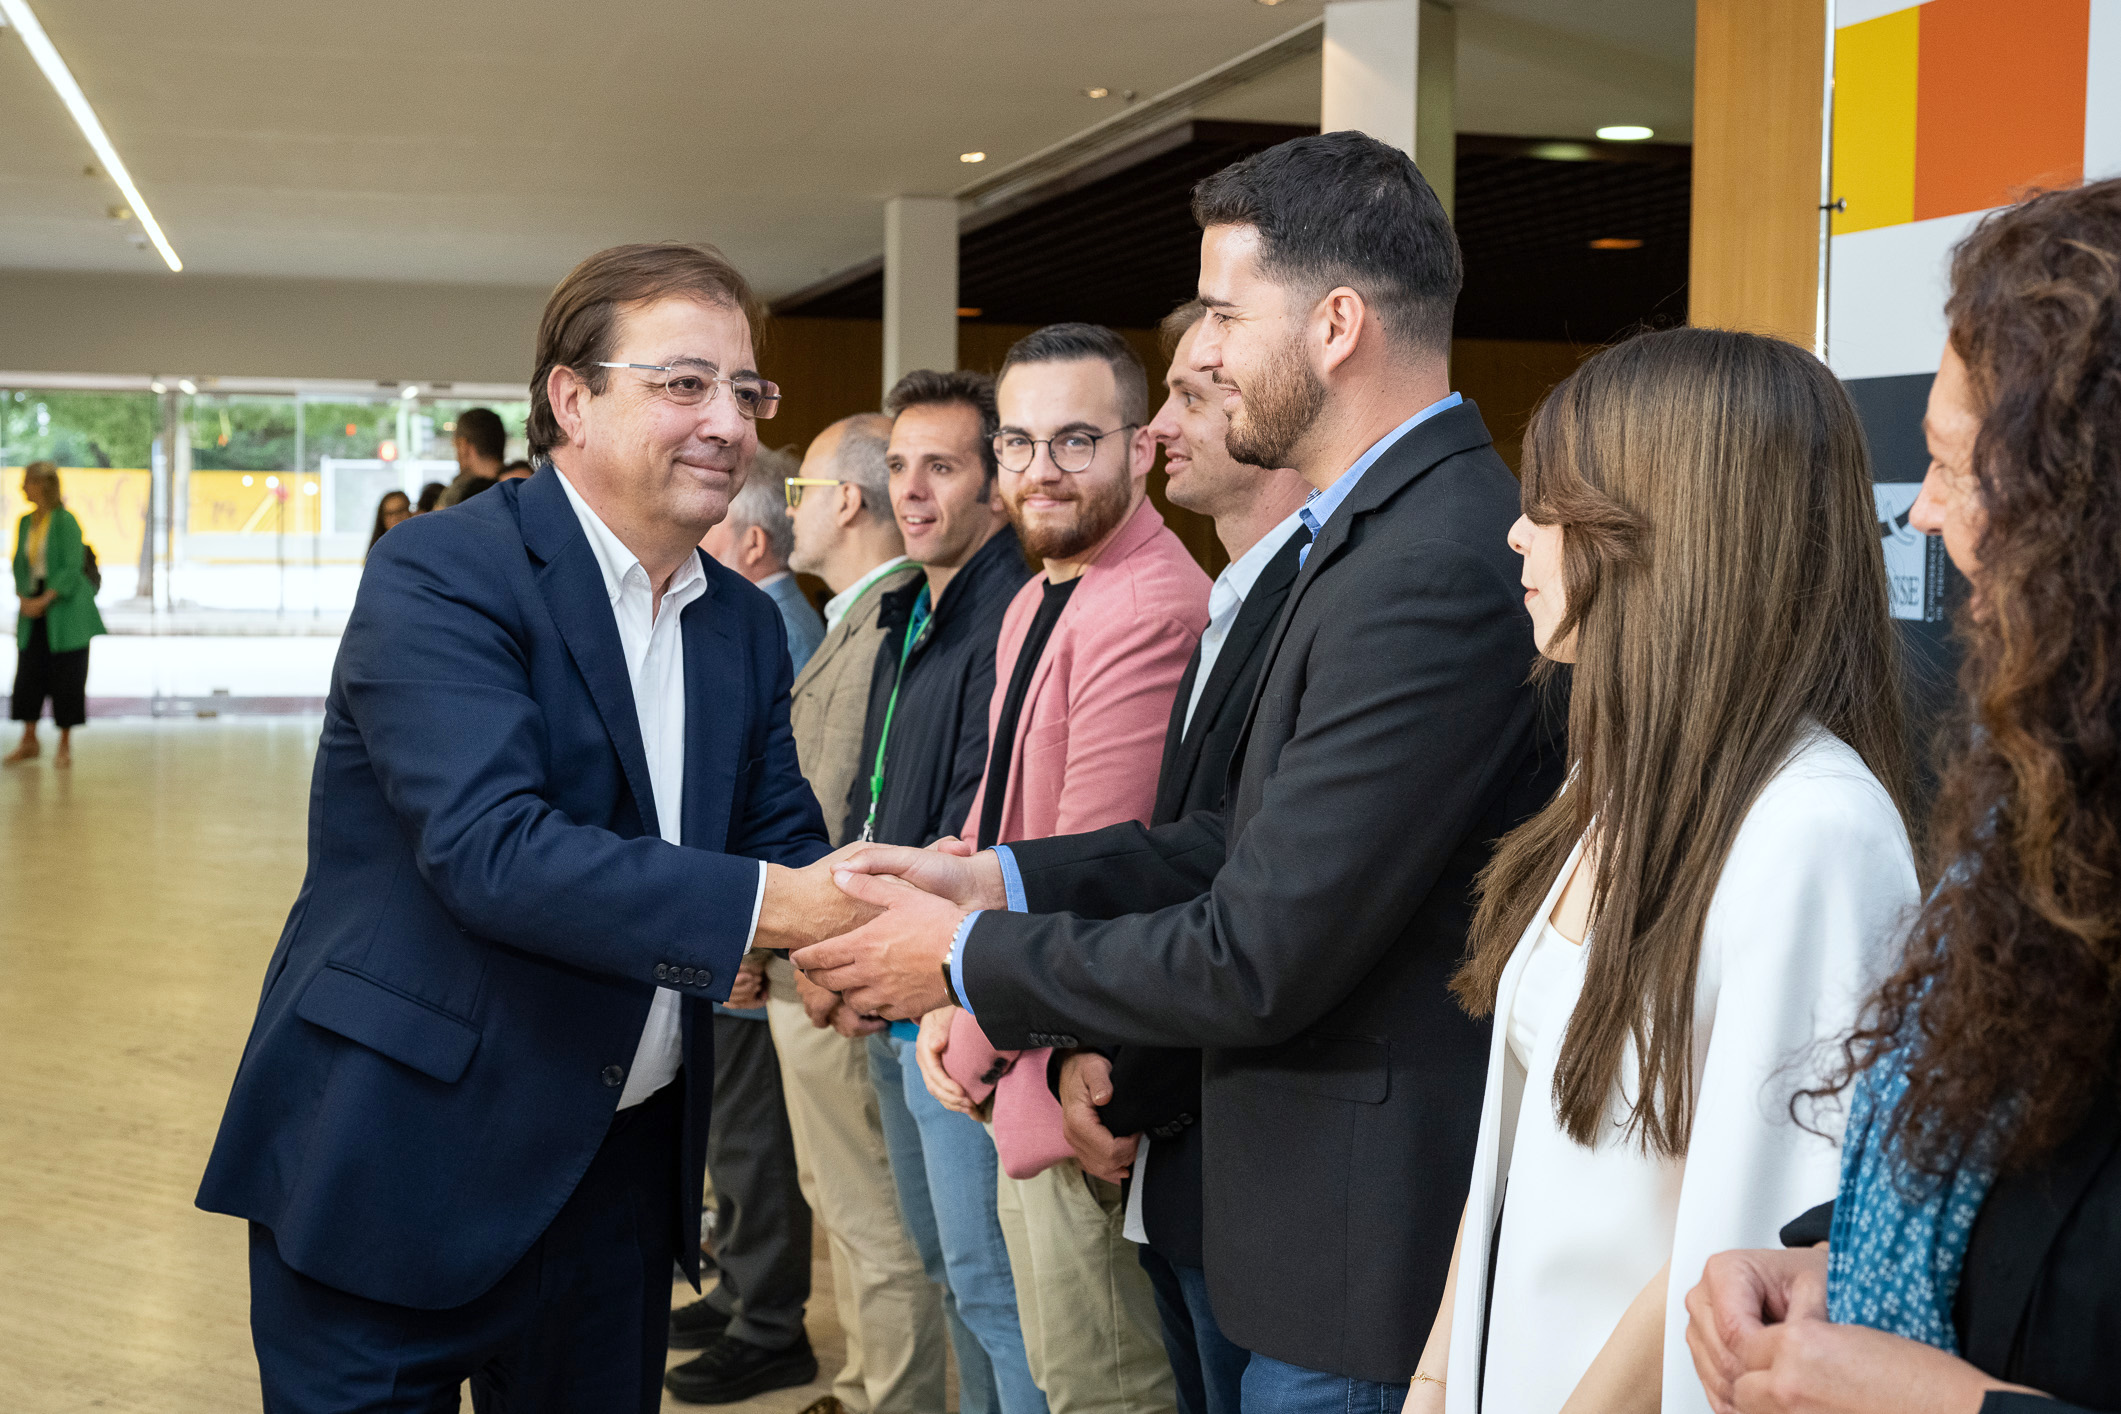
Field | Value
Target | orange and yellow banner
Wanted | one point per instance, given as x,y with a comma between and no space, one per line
1956,106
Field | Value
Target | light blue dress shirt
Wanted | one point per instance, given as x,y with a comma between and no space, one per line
1316,511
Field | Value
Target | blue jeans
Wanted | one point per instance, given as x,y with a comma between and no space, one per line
1210,1370
1276,1387
946,1170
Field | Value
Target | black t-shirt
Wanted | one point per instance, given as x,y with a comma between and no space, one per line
1003,749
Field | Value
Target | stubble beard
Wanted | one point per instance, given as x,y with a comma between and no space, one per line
1277,412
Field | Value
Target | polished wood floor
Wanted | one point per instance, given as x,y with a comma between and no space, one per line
145,889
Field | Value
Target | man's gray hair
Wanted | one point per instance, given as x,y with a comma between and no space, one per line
862,459
764,501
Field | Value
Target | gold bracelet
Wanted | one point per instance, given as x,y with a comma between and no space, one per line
1424,1377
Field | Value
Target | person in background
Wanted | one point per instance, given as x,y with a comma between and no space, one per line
1968,1262
517,470
393,508
749,1328
480,441
755,540
1086,669
1711,894
430,498
924,744
58,617
891,1310
1121,1103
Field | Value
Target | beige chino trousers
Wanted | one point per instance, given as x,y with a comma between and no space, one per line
1091,1330
892,1314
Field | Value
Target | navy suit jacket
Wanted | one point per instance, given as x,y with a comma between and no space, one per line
449,1015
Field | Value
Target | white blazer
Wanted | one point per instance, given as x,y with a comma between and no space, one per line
1808,914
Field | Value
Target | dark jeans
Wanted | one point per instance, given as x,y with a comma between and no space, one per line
578,1326
762,1225
1210,1370
41,673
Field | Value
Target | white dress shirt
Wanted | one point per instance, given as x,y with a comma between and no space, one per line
654,645
837,606
1807,916
1225,601
1227,598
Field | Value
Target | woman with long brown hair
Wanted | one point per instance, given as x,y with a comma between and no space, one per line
1712,892
1976,1240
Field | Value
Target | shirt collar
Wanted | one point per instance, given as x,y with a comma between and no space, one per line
1242,573
616,562
1321,505
837,606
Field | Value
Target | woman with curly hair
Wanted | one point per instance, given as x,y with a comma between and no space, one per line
1972,1260
1723,879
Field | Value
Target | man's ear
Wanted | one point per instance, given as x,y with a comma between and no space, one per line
1141,452
754,545
849,507
1343,318
569,396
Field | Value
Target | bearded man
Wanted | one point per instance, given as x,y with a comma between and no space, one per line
1088,663
1303,934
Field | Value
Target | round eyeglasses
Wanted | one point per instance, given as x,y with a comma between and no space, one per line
689,382
1071,451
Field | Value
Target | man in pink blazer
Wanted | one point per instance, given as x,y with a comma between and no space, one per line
1090,656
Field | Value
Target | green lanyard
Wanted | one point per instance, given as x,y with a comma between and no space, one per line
916,635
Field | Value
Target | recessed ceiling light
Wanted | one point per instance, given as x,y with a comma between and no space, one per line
1097,93
1626,132
157,386
972,157
968,311
411,392
190,388
61,78
1270,2
1616,243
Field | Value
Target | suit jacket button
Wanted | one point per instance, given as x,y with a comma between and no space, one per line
662,972
1063,1042
690,977
614,1076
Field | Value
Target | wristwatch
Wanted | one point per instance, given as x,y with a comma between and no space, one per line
950,986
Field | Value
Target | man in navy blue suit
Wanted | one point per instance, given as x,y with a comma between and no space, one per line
556,799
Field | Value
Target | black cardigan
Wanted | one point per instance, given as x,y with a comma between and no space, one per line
2039,1301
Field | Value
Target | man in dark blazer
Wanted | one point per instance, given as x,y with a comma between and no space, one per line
1120,1103
1305,935
555,799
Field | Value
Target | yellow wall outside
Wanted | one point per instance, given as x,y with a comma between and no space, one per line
1874,120
111,504
222,505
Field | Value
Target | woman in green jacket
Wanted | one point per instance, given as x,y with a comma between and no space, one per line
58,616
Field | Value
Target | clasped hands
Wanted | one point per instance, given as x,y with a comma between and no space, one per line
1762,1344
34,605
872,924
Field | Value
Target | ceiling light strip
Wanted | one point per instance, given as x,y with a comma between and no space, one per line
61,78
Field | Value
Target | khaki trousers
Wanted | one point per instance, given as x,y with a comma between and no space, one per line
891,1313
1089,1313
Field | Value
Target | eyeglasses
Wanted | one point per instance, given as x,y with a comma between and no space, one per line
690,382
792,486
1071,451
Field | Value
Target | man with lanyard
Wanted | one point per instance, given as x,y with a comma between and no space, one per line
924,748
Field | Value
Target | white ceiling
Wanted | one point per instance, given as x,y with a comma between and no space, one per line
497,141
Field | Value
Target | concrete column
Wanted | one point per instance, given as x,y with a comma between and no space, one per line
920,285
1391,70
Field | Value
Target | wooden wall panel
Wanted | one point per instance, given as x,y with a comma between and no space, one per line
1759,87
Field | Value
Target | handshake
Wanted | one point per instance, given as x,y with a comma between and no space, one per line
869,927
